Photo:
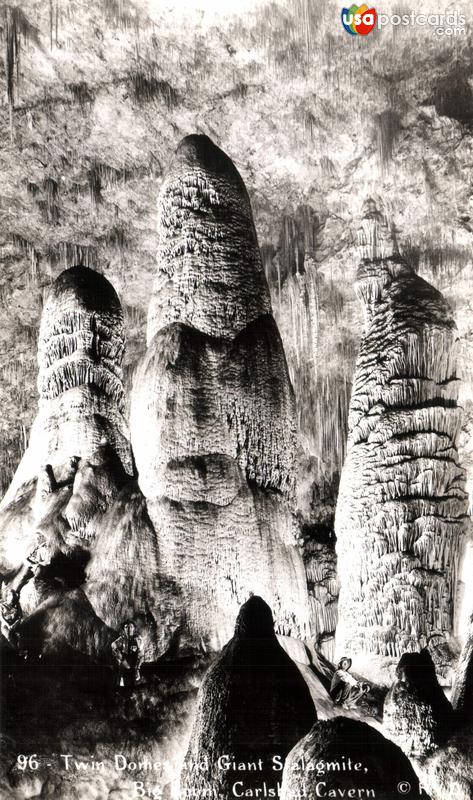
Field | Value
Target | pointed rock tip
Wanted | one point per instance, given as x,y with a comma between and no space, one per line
255,619
376,233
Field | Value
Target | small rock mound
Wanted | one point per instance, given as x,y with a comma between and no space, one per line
342,754
252,706
417,715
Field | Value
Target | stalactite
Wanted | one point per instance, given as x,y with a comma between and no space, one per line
70,252
81,93
16,27
387,126
147,87
32,253
123,14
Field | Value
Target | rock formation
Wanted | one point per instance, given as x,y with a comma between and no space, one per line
402,506
417,715
342,754
125,579
210,275
76,466
321,569
253,705
81,395
212,415
79,449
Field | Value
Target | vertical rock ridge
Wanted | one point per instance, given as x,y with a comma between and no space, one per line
402,506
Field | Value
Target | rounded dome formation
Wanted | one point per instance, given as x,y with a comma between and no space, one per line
197,151
81,338
83,288
209,270
81,395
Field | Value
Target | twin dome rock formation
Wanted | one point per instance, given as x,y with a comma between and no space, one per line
80,381
402,505
185,518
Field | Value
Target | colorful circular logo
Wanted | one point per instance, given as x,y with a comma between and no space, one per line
359,20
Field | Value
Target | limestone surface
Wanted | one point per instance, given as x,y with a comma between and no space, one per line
417,715
462,692
80,381
76,466
209,270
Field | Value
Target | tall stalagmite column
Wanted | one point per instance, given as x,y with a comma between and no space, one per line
212,420
402,506
79,451
77,463
81,395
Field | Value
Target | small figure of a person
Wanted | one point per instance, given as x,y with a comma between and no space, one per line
39,558
35,563
11,616
71,469
46,483
127,652
345,690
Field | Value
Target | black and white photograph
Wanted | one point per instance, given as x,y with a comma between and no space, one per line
236,400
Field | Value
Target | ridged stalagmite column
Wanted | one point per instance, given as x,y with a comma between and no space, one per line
79,438
80,353
402,505
213,425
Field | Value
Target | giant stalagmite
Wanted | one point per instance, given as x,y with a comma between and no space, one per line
402,506
212,417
